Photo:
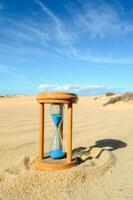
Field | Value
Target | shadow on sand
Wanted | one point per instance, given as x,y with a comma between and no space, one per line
84,153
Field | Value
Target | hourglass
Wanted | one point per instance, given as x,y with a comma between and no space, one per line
57,157
57,148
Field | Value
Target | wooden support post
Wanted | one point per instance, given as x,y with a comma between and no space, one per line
69,133
61,129
41,135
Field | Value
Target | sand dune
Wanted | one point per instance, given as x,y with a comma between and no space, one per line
104,135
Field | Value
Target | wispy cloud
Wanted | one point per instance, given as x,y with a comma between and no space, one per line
29,37
78,89
102,20
23,40
90,22
75,53
25,31
11,71
62,34
19,74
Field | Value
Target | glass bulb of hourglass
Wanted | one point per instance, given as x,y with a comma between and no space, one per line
57,149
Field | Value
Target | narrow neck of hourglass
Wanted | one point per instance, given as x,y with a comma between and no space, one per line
57,129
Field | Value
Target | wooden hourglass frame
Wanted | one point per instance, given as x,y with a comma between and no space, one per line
47,163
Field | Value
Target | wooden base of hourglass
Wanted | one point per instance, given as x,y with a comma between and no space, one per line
49,164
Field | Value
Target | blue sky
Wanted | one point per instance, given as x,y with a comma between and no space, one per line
80,46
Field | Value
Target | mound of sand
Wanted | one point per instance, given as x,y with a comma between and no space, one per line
24,182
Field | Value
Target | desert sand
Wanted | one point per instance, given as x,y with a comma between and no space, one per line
104,134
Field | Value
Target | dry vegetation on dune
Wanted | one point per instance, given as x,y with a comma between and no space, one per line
108,94
128,96
7,96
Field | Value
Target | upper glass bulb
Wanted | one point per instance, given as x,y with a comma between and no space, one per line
56,111
56,108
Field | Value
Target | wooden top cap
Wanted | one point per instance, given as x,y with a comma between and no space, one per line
57,97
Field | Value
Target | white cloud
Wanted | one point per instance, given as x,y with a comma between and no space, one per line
12,71
19,74
78,89
31,38
62,34
44,87
87,56
26,31
102,20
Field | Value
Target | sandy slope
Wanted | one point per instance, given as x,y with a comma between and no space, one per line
110,176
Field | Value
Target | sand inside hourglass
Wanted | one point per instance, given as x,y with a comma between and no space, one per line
57,150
